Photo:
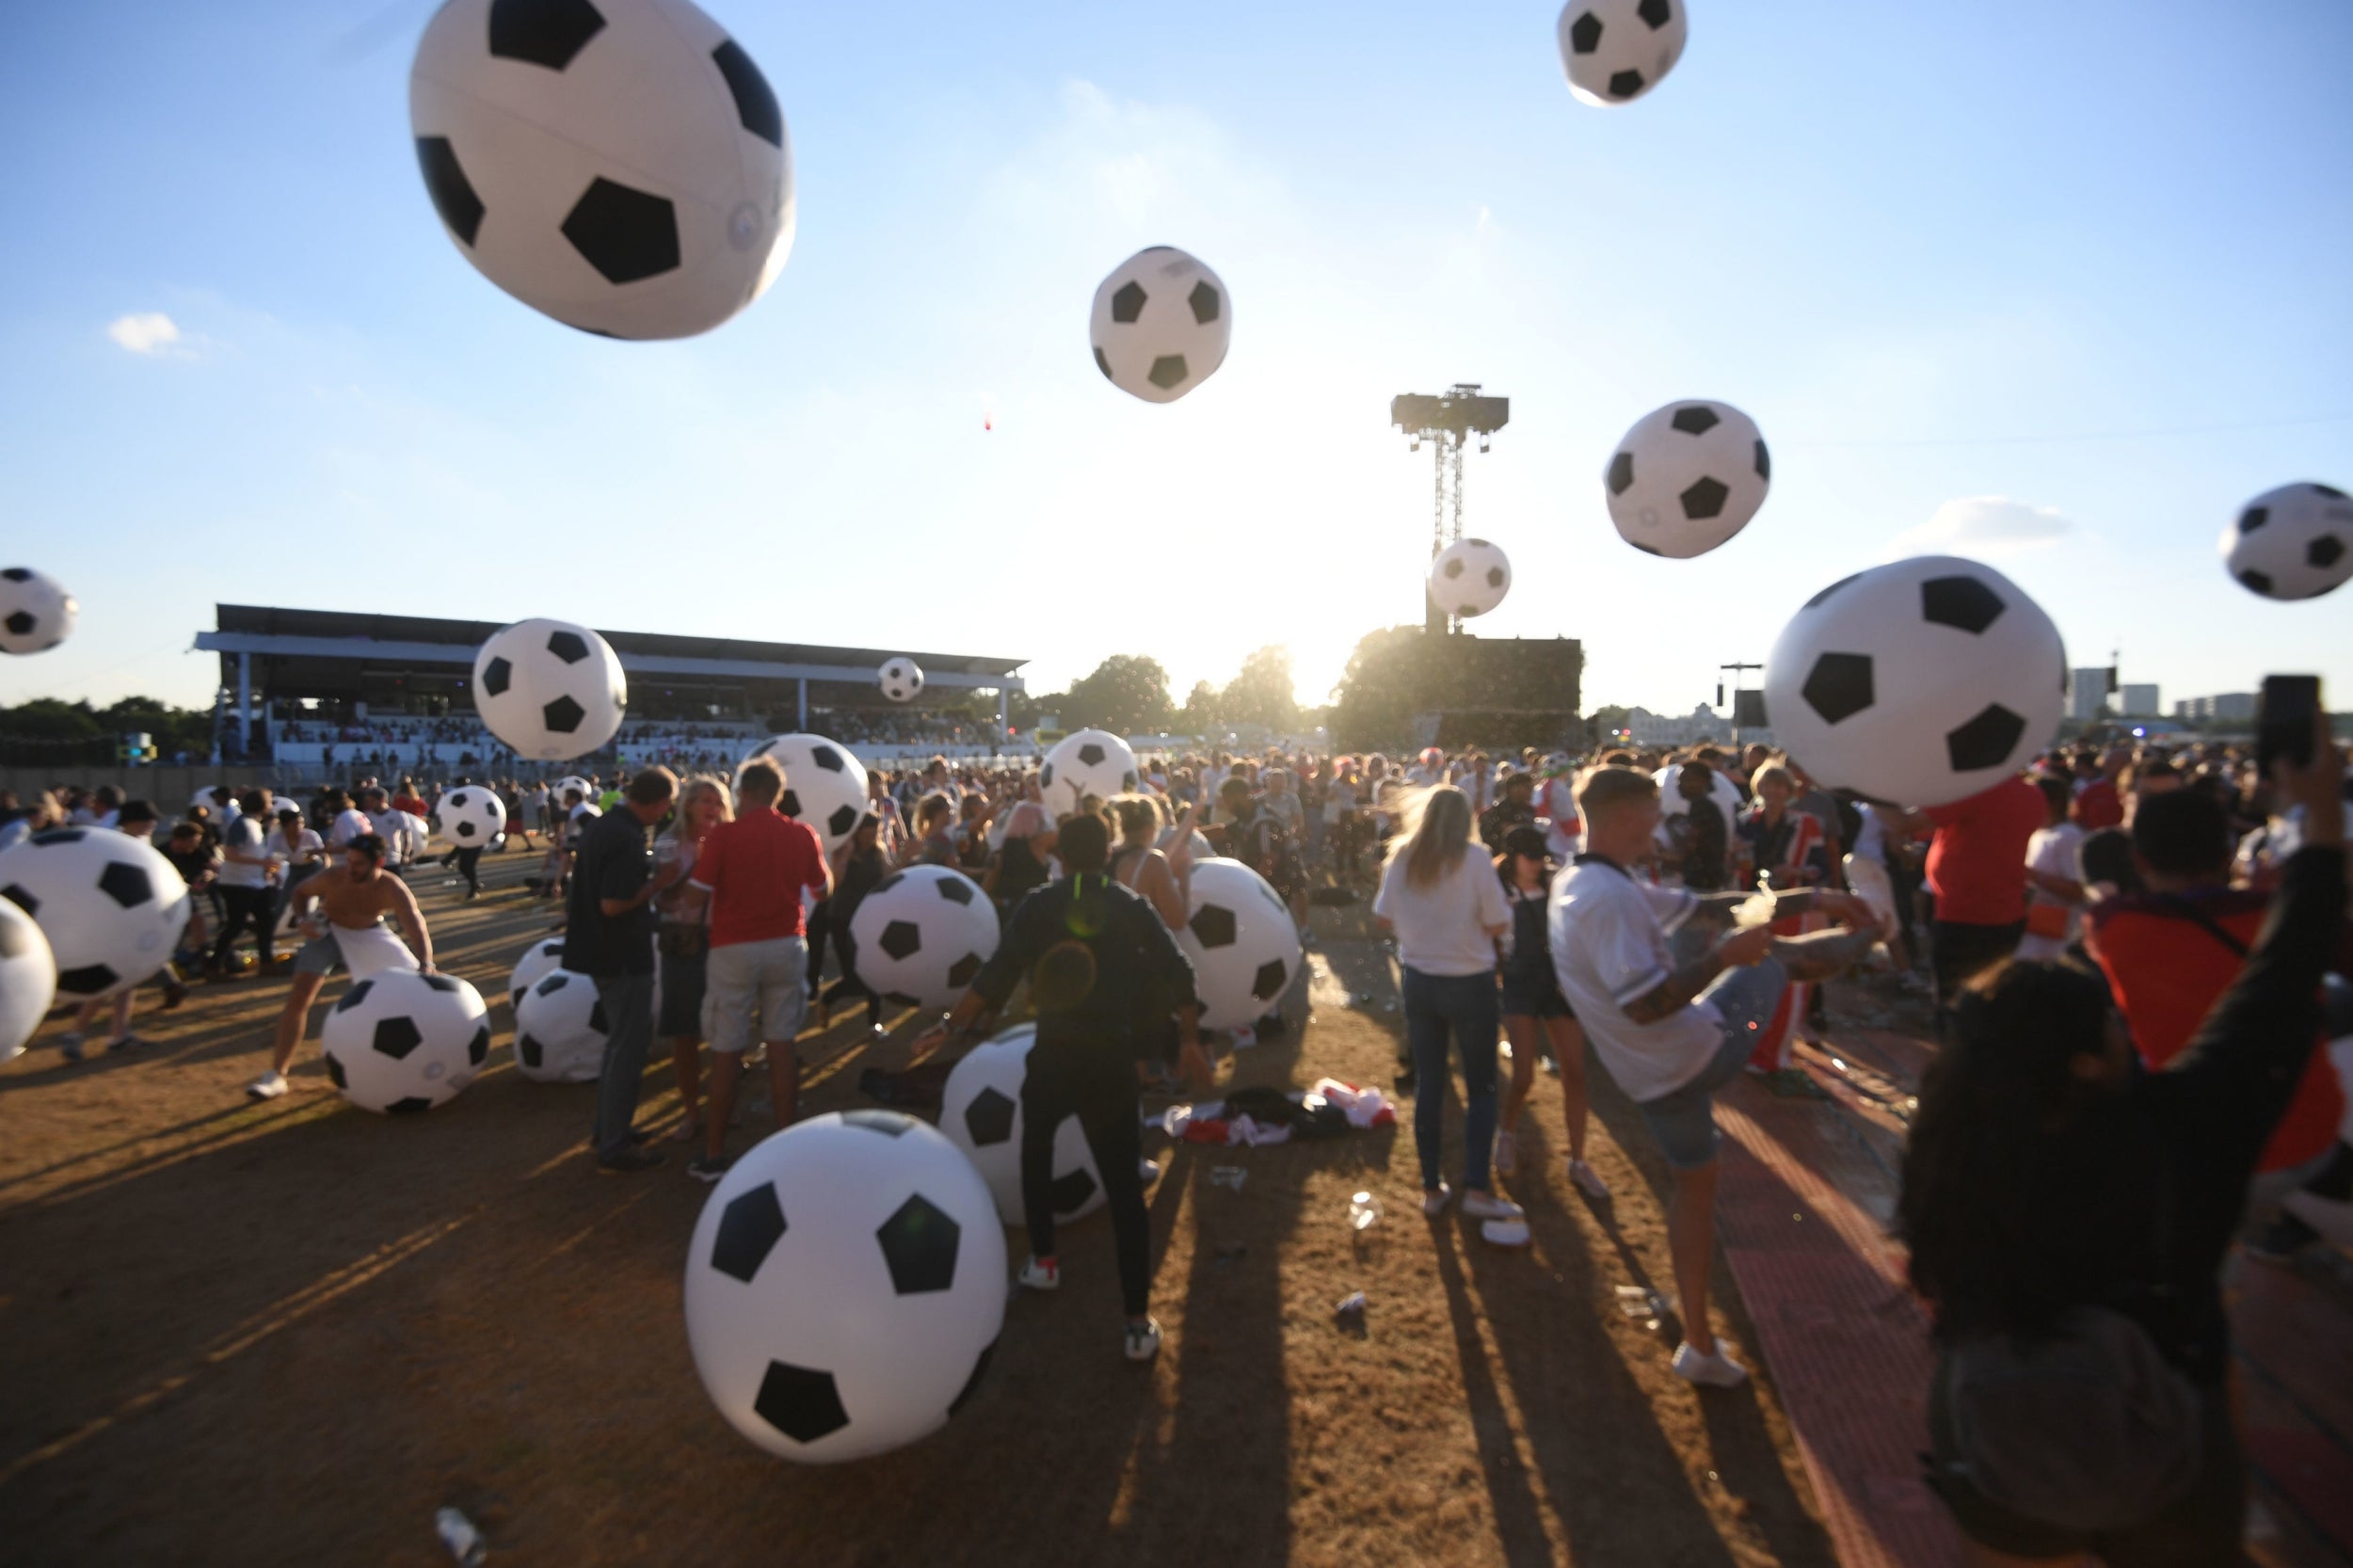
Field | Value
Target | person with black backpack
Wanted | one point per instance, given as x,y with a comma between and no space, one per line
2068,1212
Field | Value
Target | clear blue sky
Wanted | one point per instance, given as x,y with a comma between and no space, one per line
1903,236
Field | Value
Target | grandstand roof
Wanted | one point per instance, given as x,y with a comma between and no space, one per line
270,632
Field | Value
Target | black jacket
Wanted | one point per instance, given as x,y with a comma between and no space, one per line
1087,947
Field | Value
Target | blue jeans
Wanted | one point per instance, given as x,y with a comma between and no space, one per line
1464,1006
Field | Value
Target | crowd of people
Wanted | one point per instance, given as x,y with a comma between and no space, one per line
2123,951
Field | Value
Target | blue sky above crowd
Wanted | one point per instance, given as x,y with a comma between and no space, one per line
2060,287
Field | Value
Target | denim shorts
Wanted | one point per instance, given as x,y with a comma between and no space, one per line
1684,1120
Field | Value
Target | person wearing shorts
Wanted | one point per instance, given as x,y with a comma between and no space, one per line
1673,1033
753,870
354,899
1536,1017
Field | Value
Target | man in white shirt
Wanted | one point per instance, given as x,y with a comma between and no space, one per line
348,822
1672,1034
243,881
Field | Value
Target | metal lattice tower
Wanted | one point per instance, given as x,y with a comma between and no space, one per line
1448,422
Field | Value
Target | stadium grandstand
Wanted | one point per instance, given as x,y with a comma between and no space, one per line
309,691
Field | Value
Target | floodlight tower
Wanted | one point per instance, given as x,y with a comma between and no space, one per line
1448,422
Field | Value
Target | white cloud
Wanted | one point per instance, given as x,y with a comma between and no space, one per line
152,332
1985,525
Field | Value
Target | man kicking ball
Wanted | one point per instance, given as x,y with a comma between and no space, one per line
347,931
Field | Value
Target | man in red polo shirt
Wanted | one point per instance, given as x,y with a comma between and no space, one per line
2170,951
2098,804
1978,873
754,869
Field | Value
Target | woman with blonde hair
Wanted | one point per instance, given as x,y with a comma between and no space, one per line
682,943
1440,895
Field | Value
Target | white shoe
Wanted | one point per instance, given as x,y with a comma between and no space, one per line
266,1087
1710,1372
1041,1275
1144,1339
1147,1172
1507,1159
1434,1200
1486,1206
1589,1182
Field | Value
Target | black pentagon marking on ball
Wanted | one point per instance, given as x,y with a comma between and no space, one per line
1985,740
1167,371
549,985
58,836
457,799
1045,779
825,757
989,1117
843,819
597,1020
542,32
562,716
627,235
23,898
354,997
1695,419
902,939
1839,686
1626,84
1092,755
1213,926
754,101
478,1048
1128,302
790,803
1272,976
1764,463
445,983
919,1243
452,193
2323,551
126,884
955,889
2259,581
396,1037
895,879
1496,577
1102,364
14,943
800,1402
1705,497
20,623
18,574
1070,1191
1815,603
1452,569
2253,518
464,830
409,1105
335,1071
1620,473
750,1228
1585,34
497,676
973,1384
1204,303
891,1124
89,980
960,974
528,1049
1964,603
570,647
1657,13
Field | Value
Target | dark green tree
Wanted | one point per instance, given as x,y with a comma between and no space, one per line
1127,693
1261,692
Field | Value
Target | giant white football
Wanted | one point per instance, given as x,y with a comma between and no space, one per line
36,611
402,1041
111,907
1614,51
560,1030
825,784
619,165
1685,478
1243,942
471,816
539,960
845,1286
901,678
551,690
1920,682
2295,543
1086,763
1161,325
921,934
1470,576
980,1110
28,978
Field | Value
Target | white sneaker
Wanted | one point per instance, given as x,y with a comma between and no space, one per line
266,1087
1589,1182
1147,1172
1507,1158
1486,1206
1144,1339
1711,1371
1038,1274
1434,1200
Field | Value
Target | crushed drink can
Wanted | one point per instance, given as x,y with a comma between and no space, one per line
457,1534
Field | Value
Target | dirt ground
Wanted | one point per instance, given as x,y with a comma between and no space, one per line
288,1333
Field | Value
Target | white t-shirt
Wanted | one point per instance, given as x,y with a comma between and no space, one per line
2053,852
1610,948
243,834
304,841
348,824
1443,929
1556,802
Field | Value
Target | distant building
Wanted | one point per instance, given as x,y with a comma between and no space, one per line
2141,701
1702,725
2227,708
2087,690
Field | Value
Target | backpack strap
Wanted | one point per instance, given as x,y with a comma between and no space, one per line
2203,921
